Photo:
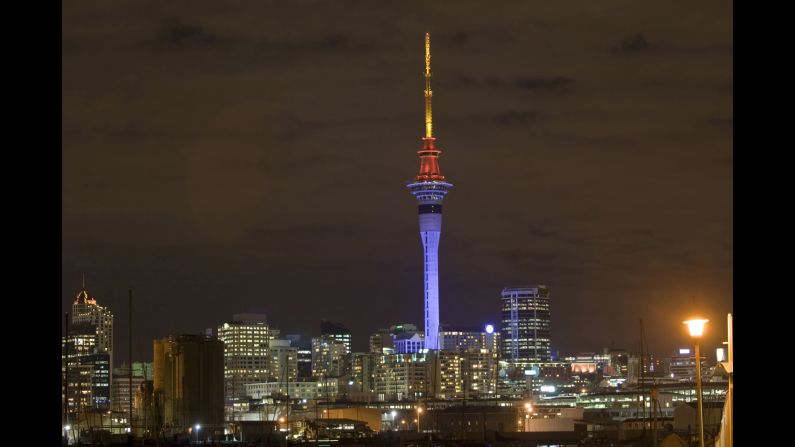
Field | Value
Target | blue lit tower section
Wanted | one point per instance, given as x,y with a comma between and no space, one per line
430,188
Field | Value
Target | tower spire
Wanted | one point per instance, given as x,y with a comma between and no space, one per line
428,91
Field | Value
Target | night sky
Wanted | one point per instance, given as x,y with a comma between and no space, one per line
252,157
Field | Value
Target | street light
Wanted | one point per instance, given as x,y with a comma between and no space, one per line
419,413
696,328
394,413
197,427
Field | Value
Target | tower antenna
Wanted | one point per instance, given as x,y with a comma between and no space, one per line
428,91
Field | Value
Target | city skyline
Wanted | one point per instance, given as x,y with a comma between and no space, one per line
271,195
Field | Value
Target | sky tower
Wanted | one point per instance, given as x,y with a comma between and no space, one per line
430,188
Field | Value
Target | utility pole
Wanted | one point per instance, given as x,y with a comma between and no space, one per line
129,359
654,397
642,384
66,380
729,409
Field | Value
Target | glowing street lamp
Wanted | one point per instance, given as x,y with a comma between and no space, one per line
696,328
197,427
419,413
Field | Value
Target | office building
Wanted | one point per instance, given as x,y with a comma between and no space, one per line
379,340
526,324
283,364
338,332
87,368
401,377
85,310
328,357
246,342
457,338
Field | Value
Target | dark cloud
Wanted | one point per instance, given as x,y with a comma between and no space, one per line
175,34
556,84
459,38
633,44
514,117
551,84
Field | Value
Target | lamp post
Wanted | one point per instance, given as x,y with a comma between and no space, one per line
696,328
197,427
419,413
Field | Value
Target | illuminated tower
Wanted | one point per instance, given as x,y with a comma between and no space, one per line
430,188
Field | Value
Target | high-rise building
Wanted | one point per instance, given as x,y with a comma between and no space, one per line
328,357
525,324
338,332
304,346
85,310
429,188
246,353
363,370
90,347
379,340
188,382
469,338
283,364
401,376
89,380
466,373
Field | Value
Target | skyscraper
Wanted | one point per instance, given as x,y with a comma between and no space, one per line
525,324
283,364
336,331
85,310
430,188
246,353
90,359
328,357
